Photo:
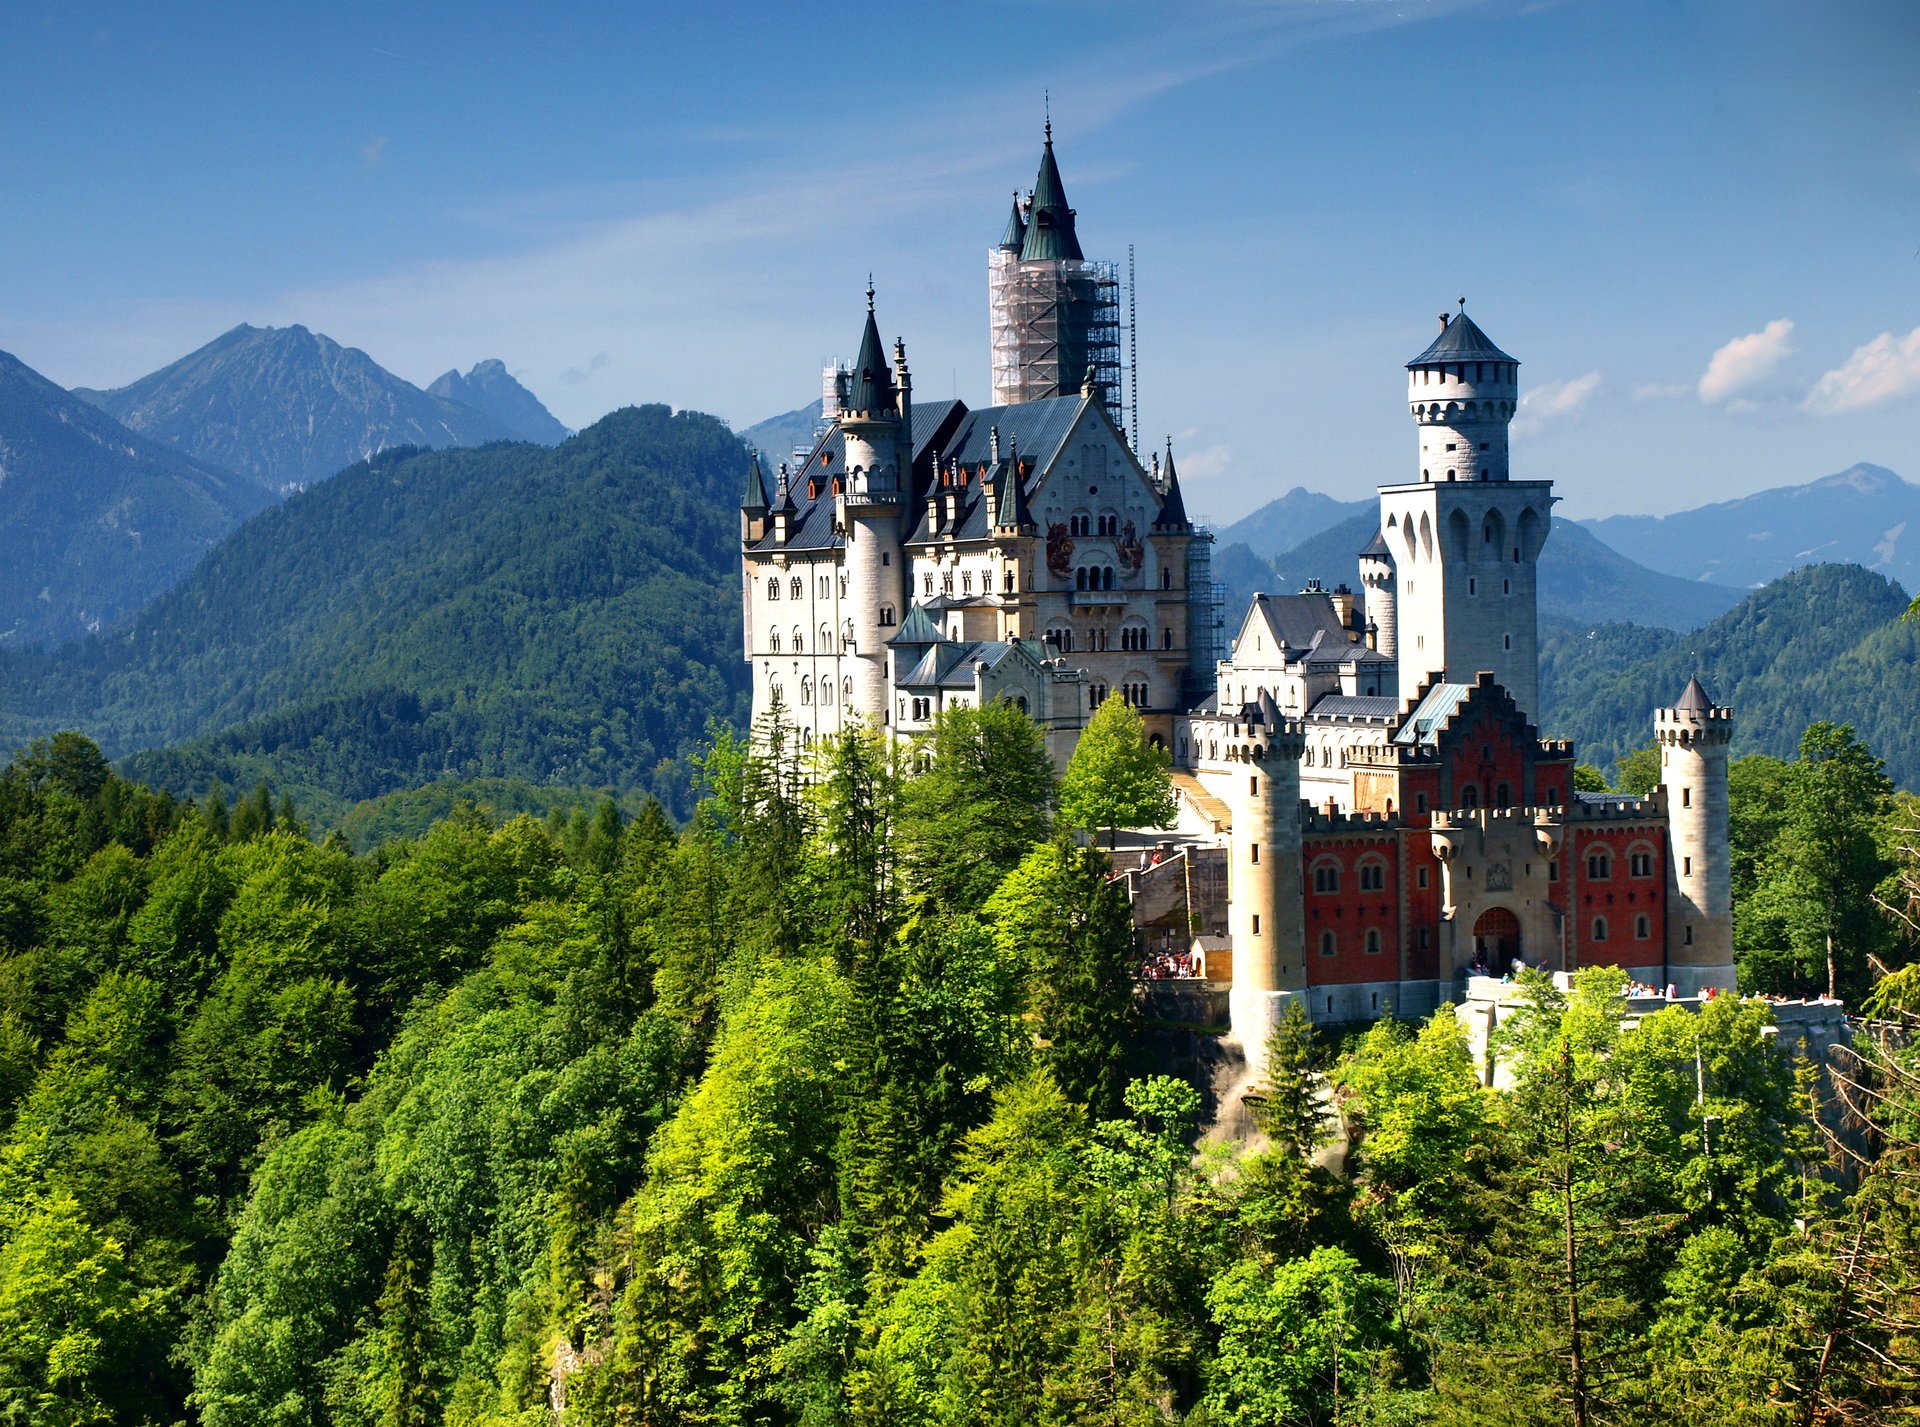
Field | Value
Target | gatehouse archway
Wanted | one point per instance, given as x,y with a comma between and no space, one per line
1496,941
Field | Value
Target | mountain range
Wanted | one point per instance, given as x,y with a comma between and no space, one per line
288,407
1865,515
564,615
778,437
94,519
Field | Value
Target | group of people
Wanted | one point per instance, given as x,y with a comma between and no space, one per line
1168,965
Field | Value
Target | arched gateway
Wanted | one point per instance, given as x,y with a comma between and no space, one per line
1496,940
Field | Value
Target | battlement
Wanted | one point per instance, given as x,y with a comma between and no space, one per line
1619,808
1487,819
1555,749
1319,821
1685,727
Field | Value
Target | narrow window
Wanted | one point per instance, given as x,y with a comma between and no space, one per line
1256,924
1686,797
1256,854
1599,928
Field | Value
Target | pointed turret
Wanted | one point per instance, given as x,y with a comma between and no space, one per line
1015,237
1049,221
870,390
1173,509
1014,512
754,502
1693,698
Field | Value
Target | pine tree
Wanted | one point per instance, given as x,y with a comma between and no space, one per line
1292,1106
408,1398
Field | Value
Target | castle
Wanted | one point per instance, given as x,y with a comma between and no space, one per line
1368,763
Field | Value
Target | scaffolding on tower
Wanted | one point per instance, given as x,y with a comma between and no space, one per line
1052,320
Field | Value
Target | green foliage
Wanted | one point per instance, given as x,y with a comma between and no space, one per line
983,802
564,616
1638,772
1116,778
765,1120
1588,779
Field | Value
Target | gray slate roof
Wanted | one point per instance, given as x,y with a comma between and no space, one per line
1460,341
1355,706
1693,699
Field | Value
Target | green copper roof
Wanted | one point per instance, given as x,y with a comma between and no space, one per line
756,496
871,384
1016,234
917,628
1049,221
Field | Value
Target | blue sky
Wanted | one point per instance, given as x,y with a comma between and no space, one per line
1697,224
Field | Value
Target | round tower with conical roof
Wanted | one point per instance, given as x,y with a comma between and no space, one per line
872,504
1376,578
1465,537
1463,391
1694,736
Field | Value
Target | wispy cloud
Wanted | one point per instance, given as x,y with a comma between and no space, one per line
1880,373
1746,362
1555,404
373,152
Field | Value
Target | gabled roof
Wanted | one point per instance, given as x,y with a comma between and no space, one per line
870,384
1693,699
949,665
1049,221
1461,340
1305,623
1368,706
1173,510
1016,235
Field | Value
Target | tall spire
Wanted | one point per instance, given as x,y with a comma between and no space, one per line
1049,220
1173,509
1014,512
870,384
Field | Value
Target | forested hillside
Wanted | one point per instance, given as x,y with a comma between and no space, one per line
565,616
95,520
831,1108
1827,642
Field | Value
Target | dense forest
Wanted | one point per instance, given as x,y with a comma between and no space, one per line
1825,642
562,616
835,1105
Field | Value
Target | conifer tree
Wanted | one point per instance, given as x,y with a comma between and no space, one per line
1292,1106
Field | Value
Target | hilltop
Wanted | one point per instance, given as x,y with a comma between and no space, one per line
565,615
95,520
288,407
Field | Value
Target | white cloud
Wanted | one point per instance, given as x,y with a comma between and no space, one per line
1204,464
1555,404
1884,371
1746,361
373,152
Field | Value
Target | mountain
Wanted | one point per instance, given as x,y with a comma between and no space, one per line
566,615
777,437
1296,517
288,407
491,390
1865,515
1825,642
94,519
1582,581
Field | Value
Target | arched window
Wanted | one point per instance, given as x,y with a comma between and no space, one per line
1080,578
1643,928
795,588
776,641
1326,877
1166,579
1373,875
1008,583
1328,945
1639,862
926,582
773,587
826,691
1020,702
1599,865
806,691
1599,928
799,644
1106,578
1373,941
1470,796
1502,796
846,691
886,615
826,638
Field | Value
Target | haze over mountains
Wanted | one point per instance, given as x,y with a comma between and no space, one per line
491,390
94,519
289,407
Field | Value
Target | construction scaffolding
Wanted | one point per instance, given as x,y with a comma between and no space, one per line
1052,320
1206,616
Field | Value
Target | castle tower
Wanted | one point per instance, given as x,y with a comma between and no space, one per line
871,506
1694,736
1268,916
1465,538
1376,578
1053,315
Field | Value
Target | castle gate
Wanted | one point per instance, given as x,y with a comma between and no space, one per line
1496,939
